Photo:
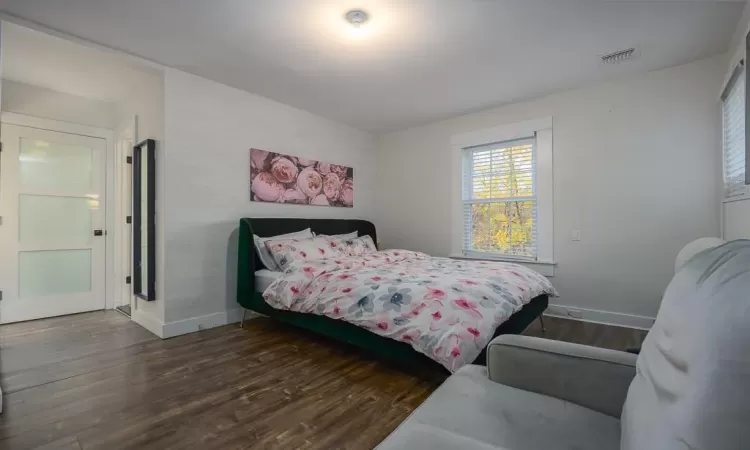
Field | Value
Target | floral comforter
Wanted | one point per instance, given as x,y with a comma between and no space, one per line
446,309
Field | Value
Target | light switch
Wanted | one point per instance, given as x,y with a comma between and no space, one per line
575,235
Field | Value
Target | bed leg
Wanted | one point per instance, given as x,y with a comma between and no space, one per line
242,322
541,322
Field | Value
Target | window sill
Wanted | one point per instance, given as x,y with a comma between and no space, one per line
546,268
738,198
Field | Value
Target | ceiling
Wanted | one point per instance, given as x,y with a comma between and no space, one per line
46,61
417,61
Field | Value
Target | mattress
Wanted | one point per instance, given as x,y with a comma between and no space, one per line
264,278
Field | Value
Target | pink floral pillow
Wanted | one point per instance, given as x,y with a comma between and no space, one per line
288,252
359,246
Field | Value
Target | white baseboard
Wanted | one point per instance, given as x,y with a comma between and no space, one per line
148,322
180,327
598,316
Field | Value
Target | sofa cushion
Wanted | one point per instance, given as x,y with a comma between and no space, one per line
691,389
471,412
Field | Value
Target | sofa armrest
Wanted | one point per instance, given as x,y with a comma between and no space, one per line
592,377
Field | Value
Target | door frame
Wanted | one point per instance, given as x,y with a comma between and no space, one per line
126,130
111,199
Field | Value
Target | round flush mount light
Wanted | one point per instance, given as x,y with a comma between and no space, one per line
356,17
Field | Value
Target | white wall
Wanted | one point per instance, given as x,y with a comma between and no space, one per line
740,31
146,101
209,131
635,168
737,219
36,101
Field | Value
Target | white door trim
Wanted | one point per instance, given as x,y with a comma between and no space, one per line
109,187
126,131
55,125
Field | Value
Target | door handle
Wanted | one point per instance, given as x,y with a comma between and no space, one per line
98,232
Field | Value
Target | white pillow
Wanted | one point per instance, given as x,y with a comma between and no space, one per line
287,252
347,236
262,250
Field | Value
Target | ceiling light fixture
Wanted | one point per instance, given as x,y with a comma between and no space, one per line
356,17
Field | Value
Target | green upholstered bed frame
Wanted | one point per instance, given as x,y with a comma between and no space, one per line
248,263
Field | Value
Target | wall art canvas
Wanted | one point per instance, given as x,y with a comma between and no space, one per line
281,178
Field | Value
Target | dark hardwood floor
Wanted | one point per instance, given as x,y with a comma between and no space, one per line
98,380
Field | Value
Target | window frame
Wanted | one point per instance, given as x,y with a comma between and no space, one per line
543,179
466,156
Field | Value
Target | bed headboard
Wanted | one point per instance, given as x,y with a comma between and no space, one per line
248,261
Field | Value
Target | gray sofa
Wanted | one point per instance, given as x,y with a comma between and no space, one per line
533,394
689,388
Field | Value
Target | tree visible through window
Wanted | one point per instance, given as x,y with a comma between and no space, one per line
499,199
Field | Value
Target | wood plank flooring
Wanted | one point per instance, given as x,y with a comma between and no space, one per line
98,380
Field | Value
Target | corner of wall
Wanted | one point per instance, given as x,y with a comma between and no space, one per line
148,322
180,327
740,31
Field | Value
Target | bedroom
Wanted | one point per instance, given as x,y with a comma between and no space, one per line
632,174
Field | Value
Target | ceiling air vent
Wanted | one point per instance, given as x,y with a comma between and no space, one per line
618,57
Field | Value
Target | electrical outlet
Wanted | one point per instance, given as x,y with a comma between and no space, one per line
575,235
574,313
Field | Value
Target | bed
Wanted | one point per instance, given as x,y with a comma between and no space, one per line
249,284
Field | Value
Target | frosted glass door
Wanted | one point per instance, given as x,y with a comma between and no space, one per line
52,203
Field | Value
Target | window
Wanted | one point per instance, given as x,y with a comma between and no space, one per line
733,133
502,202
499,198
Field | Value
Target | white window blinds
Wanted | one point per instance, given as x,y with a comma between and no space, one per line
499,199
733,126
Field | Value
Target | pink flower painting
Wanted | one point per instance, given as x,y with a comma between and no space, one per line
278,178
